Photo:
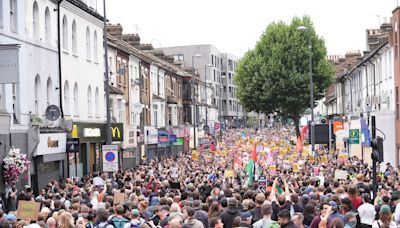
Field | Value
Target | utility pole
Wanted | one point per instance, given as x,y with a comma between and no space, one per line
106,78
374,183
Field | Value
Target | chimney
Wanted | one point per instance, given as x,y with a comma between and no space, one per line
132,39
146,47
115,30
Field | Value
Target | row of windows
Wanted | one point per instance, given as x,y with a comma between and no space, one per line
74,39
66,99
36,23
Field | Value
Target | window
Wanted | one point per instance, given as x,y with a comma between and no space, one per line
120,109
87,43
37,95
1,13
47,25
13,16
65,33
95,46
35,21
89,101
154,115
66,97
76,102
49,91
74,38
111,108
96,102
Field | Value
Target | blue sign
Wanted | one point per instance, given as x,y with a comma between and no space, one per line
163,137
110,156
366,135
172,138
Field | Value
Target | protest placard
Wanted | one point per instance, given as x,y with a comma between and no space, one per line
119,198
295,168
28,210
229,173
341,174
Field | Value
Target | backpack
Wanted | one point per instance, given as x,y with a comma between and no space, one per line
118,222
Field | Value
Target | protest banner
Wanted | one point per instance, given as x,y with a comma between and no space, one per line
28,210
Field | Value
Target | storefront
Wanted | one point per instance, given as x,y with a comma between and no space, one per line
91,136
49,159
150,140
129,147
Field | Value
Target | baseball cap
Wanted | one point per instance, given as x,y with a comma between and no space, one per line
135,212
245,215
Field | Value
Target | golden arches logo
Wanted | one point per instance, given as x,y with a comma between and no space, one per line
114,131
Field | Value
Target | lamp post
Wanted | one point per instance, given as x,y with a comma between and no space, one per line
194,103
205,76
305,29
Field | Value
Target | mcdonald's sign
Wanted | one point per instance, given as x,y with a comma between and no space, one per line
117,132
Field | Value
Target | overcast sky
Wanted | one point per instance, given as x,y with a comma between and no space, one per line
234,26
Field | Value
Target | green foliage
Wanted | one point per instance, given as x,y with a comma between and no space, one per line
252,122
274,76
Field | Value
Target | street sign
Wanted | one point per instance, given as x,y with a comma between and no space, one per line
72,145
354,136
110,158
53,112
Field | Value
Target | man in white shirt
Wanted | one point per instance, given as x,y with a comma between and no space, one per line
395,199
367,211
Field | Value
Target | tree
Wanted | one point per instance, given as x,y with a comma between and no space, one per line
274,76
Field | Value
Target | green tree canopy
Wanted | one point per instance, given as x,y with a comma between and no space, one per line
274,76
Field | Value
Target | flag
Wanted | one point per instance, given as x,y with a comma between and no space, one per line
299,145
252,168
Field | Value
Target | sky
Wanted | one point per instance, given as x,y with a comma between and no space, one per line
234,26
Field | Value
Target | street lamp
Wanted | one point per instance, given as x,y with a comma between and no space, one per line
194,103
205,76
305,29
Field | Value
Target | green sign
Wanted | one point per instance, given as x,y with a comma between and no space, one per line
179,142
354,136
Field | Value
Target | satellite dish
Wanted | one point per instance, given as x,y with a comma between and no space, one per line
53,112
137,108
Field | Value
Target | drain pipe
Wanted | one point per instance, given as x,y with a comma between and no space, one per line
59,56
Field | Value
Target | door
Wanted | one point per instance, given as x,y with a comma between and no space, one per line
92,157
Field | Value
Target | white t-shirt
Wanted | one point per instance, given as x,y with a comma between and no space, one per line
367,213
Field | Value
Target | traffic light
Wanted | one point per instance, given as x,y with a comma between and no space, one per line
377,146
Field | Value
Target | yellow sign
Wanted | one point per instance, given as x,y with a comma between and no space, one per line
229,173
115,130
312,159
28,210
295,168
195,155
74,132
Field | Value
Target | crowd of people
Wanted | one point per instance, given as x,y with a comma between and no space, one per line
187,191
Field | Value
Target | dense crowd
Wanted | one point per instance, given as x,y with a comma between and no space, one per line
186,192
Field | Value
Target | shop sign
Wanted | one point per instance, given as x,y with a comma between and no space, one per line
9,64
150,135
91,132
130,137
96,132
72,145
110,158
163,137
172,138
52,143
179,142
